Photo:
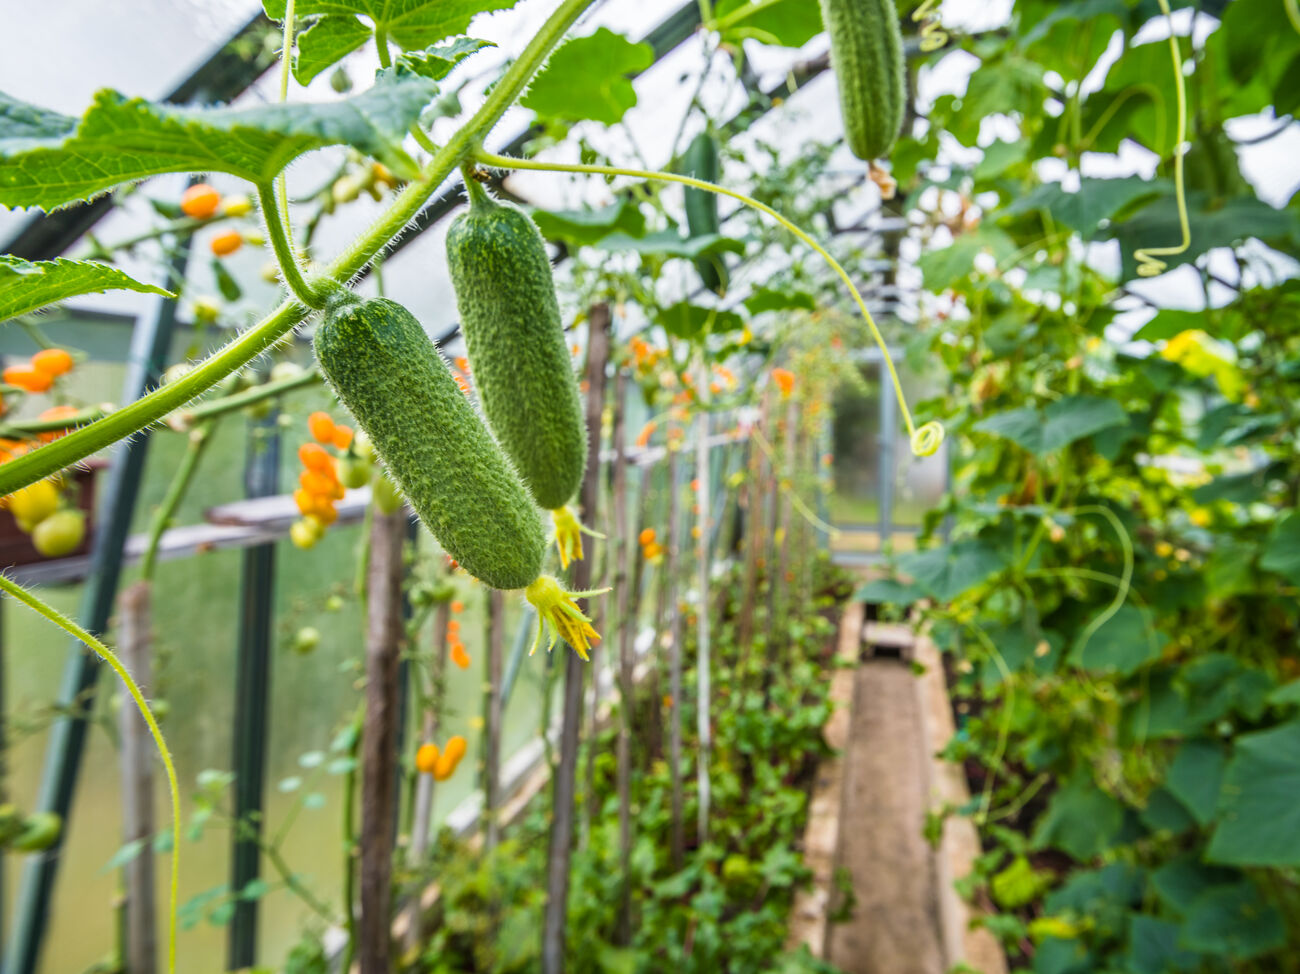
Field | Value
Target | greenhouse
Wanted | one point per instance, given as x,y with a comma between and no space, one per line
610,487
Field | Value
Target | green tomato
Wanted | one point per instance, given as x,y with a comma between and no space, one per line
306,640
334,603
206,310
34,503
346,189
285,370
362,446
305,532
60,534
354,473
388,498
160,708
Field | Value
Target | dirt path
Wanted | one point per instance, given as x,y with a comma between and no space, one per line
895,926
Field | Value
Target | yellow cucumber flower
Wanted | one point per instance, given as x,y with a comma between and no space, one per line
556,608
568,535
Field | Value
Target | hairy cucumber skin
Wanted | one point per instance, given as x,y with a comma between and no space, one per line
517,353
399,389
701,161
867,54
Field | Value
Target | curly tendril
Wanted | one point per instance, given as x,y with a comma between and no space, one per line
1149,265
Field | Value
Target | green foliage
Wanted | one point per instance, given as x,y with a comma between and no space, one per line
386,371
521,365
726,909
26,286
57,159
587,78
1130,694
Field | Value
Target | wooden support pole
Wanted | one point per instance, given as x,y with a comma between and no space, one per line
385,634
703,567
136,649
672,563
562,803
618,546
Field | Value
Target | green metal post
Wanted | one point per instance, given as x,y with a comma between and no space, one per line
66,748
252,693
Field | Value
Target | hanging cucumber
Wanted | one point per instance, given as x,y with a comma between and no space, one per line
867,54
517,352
386,371
701,161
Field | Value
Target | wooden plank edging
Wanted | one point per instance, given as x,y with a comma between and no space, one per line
810,912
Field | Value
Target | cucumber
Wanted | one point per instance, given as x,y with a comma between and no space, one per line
517,352
701,161
867,54
388,374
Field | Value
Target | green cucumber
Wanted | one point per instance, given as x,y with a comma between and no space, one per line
517,353
388,374
701,161
867,54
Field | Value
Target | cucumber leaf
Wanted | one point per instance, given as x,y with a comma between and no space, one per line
49,160
26,286
587,78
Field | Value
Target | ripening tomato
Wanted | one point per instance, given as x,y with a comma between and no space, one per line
56,413
426,758
52,361
321,427
342,437
32,504
27,378
60,534
314,457
200,201
226,242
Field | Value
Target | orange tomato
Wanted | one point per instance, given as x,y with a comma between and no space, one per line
426,758
316,483
52,361
459,656
321,427
200,201
342,437
56,412
314,457
226,242
457,606
784,380
453,627
646,537
27,378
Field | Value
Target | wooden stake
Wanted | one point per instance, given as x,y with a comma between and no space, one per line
136,649
385,633
562,804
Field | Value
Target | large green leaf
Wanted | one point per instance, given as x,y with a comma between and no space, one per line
1122,644
590,226
1234,920
942,268
1156,225
1080,820
437,61
691,321
779,299
1153,947
27,286
787,23
587,78
1195,776
1092,205
410,24
325,43
1259,811
949,570
1061,423
122,139
1282,552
